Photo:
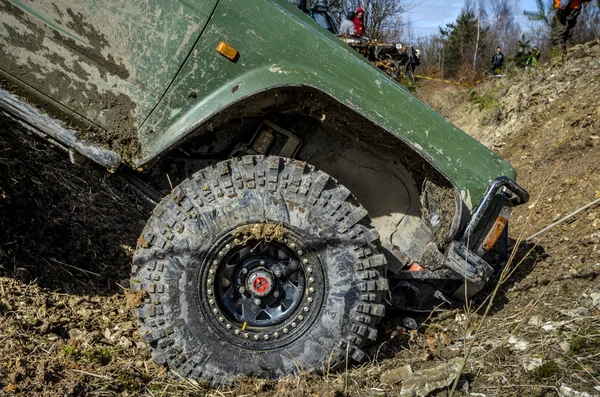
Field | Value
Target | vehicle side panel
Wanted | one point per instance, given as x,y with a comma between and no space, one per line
279,46
110,61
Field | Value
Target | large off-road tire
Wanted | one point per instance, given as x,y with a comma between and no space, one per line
260,266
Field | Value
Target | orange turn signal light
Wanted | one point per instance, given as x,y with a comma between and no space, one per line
495,232
228,51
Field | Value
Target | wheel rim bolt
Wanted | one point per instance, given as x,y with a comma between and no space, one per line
244,271
305,261
310,300
285,330
237,332
227,246
262,263
242,290
276,294
246,336
210,292
294,325
215,262
221,253
216,311
257,302
311,280
278,273
276,334
293,245
266,337
228,326
311,290
212,301
256,337
300,317
221,319
309,270
306,308
300,252
211,272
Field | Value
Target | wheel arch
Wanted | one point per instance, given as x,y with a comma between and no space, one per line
337,137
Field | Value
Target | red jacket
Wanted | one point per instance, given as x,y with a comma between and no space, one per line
359,26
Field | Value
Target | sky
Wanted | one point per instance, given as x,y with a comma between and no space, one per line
428,15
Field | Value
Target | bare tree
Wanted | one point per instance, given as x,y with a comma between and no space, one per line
504,28
383,18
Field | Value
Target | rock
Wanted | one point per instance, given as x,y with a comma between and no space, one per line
427,380
531,363
595,296
396,375
566,391
410,323
125,343
517,344
535,320
565,346
548,327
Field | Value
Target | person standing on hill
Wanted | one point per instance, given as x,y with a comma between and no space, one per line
359,22
532,59
563,23
497,62
347,26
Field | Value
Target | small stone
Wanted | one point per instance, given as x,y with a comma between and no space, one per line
76,334
107,333
565,346
125,343
427,380
517,344
566,391
396,375
531,363
595,296
535,320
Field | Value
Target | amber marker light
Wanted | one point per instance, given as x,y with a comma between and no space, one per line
497,229
228,51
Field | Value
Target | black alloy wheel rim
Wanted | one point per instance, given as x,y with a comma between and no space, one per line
262,294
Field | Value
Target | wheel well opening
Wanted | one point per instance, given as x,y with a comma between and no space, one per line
408,200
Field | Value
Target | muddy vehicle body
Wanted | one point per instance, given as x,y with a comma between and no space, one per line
299,195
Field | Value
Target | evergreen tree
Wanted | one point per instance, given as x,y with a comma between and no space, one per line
460,39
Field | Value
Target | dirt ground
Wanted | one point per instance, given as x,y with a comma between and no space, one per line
68,234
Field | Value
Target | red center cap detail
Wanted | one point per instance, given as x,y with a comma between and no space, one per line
260,284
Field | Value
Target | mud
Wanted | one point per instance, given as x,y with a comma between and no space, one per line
260,232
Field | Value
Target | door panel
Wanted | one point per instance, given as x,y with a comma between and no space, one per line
107,60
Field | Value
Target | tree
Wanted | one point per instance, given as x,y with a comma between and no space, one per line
460,44
383,18
543,13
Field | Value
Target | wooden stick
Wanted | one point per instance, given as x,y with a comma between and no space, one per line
558,222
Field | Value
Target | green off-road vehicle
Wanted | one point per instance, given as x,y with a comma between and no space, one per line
299,194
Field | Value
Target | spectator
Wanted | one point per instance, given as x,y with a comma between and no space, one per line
359,23
413,61
563,22
533,58
497,62
347,26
